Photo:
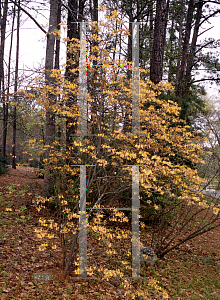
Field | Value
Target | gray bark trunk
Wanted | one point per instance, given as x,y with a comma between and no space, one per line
50,117
15,92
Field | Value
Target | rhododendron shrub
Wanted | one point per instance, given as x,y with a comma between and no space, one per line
169,187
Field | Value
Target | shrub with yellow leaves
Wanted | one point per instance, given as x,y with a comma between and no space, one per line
165,150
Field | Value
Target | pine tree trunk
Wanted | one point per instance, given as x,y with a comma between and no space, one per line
190,59
156,66
180,79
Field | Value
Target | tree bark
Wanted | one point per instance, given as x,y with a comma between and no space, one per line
2,45
75,14
180,38
50,117
180,79
151,27
72,62
94,105
57,51
6,104
15,92
171,56
2,92
127,121
190,59
156,67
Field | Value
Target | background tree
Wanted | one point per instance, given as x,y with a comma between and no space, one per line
72,34
16,91
157,55
3,19
181,56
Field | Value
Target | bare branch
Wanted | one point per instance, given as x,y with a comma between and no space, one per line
29,15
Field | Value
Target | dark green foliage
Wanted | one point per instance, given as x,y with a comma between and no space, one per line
191,105
211,62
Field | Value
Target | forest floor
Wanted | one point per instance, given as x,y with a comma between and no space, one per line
190,272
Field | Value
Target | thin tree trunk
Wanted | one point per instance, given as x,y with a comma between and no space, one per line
72,62
2,92
165,22
171,58
2,46
50,116
190,59
151,27
73,32
5,105
15,92
189,19
57,51
94,104
57,66
127,121
180,38
131,20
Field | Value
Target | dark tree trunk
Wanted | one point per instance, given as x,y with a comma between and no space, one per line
180,79
127,121
76,15
5,105
171,56
57,51
131,20
14,123
190,59
2,45
151,27
72,62
94,105
95,11
156,67
180,39
2,92
50,117
57,66
165,22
